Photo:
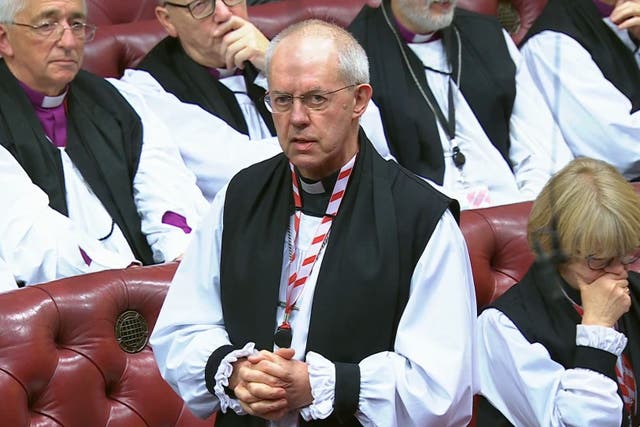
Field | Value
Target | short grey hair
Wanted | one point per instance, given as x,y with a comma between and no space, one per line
10,8
353,64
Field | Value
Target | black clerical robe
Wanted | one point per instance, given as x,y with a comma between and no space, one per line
487,81
580,20
385,221
543,314
192,83
104,142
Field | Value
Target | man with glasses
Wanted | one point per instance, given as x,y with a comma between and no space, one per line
84,146
204,82
313,289
212,58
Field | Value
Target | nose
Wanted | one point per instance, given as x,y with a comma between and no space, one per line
222,12
66,38
299,113
616,267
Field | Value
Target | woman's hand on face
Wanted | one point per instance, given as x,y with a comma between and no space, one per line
604,300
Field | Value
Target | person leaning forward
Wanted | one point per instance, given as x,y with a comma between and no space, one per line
312,294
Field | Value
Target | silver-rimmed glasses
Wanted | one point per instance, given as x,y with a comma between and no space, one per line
54,30
314,100
200,9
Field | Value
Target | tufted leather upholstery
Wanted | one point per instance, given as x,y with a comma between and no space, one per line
487,7
60,363
127,30
497,241
527,11
109,12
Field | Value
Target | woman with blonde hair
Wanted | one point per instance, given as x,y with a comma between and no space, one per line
562,347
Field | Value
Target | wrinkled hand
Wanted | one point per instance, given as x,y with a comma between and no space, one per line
292,375
242,41
626,15
604,300
259,393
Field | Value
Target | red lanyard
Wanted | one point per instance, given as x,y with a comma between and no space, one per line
297,279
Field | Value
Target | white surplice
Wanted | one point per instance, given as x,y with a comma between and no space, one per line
595,117
426,380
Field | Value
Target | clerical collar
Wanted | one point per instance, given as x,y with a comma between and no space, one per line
41,100
411,37
50,111
324,185
222,73
604,9
315,194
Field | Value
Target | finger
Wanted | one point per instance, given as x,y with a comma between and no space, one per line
261,391
267,376
226,27
285,353
629,23
263,408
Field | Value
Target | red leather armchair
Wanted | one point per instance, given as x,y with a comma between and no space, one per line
497,242
527,11
62,361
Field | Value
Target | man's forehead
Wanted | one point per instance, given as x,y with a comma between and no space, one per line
53,8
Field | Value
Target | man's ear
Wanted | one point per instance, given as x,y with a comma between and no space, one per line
6,50
165,20
363,95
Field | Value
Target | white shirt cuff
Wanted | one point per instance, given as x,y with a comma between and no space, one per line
222,378
601,337
322,376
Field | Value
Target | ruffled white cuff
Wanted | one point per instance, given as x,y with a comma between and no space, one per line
222,378
322,376
602,338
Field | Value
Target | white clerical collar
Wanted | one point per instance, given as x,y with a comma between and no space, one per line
312,187
53,101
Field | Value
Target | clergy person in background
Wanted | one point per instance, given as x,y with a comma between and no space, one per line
562,346
213,57
83,144
312,289
583,56
457,103
211,61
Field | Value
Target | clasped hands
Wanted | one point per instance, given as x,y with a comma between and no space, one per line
271,384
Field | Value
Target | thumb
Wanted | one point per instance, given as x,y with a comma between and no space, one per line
286,353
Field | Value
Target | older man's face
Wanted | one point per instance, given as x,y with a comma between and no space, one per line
424,16
45,64
318,142
197,35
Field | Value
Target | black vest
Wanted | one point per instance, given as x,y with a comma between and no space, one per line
191,82
580,20
487,82
381,230
542,313
104,141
